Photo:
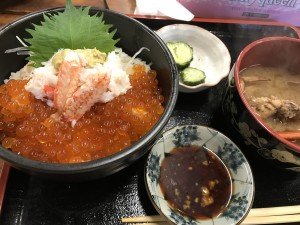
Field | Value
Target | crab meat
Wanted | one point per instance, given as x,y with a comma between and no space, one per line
78,89
73,87
42,83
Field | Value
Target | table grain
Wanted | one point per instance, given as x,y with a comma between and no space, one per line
11,10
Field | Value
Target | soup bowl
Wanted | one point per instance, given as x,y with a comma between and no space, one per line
280,52
133,36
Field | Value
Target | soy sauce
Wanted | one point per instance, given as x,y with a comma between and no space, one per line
195,182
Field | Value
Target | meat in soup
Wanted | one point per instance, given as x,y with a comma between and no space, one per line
274,94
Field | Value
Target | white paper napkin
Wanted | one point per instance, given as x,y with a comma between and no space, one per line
170,8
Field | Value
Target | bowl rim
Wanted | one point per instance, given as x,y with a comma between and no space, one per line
226,58
240,58
221,134
77,168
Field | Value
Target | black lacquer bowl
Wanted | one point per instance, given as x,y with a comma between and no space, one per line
133,36
280,52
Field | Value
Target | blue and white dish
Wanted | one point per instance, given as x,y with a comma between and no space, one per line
242,179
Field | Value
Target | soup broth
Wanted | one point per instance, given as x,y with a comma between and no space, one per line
274,94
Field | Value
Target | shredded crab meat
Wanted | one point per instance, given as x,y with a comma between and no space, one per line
75,95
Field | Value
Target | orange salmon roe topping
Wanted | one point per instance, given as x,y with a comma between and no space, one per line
27,127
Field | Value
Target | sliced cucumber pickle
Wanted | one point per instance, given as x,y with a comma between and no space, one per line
192,76
181,52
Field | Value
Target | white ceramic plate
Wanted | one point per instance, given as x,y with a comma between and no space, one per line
236,163
210,53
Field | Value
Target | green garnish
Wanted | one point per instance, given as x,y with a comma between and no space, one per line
74,29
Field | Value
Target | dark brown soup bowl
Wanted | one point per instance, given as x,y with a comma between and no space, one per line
133,36
282,52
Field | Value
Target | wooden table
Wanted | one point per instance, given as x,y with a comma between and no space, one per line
11,10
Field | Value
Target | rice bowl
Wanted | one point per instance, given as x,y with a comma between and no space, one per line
162,63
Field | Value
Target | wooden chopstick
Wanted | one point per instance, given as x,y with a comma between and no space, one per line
248,221
274,211
274,215
142,219
154,223
272,219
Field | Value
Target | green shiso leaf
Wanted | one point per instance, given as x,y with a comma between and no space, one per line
74,29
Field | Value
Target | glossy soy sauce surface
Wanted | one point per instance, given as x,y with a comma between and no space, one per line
195,182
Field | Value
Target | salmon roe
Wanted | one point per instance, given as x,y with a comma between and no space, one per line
27,128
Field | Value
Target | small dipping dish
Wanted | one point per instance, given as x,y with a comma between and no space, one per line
196,175
209,53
